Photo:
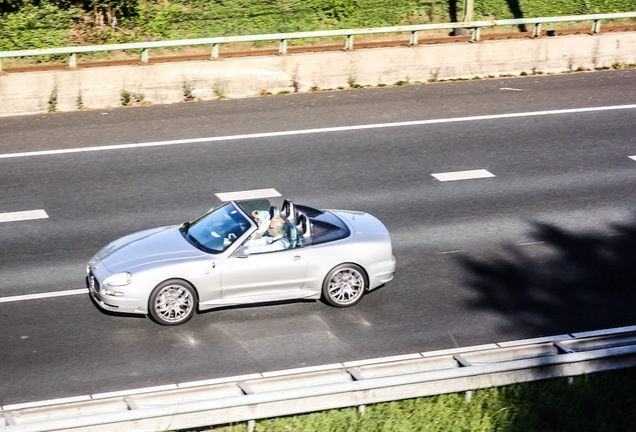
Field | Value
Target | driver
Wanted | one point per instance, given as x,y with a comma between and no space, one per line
262,219
275,238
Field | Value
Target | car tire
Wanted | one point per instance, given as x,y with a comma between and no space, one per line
344,286
172,302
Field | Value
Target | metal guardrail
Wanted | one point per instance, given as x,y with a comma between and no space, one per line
283,38
251,397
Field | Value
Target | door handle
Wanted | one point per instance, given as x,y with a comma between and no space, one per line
297,257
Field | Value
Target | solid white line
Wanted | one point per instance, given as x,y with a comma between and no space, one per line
224,380
294,371
42,295
458,350
605,332
23,215
401,357
315,131
463,175
135,391
47,402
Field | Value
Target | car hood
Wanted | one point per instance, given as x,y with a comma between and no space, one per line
146,247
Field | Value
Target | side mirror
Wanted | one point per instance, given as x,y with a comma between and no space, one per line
241,252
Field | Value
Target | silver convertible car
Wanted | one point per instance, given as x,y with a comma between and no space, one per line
245,251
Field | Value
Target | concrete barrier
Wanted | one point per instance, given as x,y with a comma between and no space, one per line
98,88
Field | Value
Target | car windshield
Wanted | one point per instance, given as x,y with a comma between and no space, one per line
217,230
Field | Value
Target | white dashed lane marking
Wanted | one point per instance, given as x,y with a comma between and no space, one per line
23,215
463,175
43,295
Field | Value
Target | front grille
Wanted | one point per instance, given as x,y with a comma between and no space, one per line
91,282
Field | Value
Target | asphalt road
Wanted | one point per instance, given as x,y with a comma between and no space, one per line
544,246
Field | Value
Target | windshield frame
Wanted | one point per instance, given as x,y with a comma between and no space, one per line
217,230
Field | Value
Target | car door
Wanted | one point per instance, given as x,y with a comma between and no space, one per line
268,276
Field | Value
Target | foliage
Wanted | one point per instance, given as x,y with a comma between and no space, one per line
124,6
10,5
156,21
504,9
42,26
52,104
128,98
27,24
34,24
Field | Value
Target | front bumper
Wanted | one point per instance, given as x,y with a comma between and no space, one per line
120,304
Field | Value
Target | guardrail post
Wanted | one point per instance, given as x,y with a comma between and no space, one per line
251,425
476,34
469,395
413,40
72,61
10,419
215,51
282,47
596,26
536,32
131,403
144,55
349,42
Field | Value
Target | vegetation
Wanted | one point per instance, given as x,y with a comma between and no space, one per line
28,24
598,402
129,98
53,99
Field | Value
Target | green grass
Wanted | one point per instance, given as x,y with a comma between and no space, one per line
29,24
602,402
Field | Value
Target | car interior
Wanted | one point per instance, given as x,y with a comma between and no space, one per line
304,225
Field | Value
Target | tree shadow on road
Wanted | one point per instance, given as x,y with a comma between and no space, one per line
583,281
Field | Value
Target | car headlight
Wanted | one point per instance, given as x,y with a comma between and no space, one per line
118,279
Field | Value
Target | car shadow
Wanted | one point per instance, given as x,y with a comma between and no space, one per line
565,282
257,305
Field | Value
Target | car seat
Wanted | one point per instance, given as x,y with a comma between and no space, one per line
304,226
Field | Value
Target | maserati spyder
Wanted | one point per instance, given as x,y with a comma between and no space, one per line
247,250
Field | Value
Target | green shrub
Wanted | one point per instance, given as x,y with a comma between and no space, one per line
28,24
52,103
42,26
504,9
